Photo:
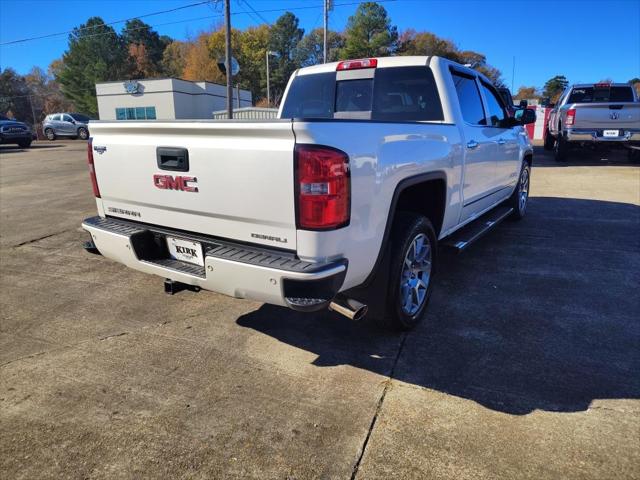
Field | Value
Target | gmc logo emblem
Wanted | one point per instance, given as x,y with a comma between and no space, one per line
169,182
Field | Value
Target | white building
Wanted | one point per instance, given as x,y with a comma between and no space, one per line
164,99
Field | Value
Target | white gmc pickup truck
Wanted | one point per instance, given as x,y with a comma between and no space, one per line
341,202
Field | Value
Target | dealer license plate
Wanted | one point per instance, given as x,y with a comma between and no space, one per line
611,133
185,250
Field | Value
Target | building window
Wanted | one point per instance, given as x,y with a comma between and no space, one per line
137,113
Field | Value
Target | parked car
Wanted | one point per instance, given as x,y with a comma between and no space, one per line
74,125
601,115
15,132
342,202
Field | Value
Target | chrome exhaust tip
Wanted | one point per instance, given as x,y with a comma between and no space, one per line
350,308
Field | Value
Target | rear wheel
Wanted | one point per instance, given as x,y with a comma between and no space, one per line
413,257
24,143
561,149
50,134
549,141
633,155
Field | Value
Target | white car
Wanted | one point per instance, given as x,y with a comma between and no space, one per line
342,202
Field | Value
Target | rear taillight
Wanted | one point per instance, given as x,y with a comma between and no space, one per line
323,187
92,169
358,64
571,117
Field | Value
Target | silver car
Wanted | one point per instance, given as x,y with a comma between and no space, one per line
66,125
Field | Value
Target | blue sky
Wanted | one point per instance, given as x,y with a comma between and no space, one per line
584,40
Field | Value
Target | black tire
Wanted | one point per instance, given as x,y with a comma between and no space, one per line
549,141
24,143
50,134
83,133
633,155
520,196
561,149
409,228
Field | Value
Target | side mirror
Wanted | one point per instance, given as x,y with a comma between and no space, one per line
528,116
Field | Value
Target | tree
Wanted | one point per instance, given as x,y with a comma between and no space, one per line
554,87
14,96
311,48
198,63
145,46
369,33
636,84
411,42
525,93
252,57
173,59
284,38
96,54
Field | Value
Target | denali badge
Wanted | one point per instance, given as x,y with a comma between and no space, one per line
100,149
268,237
169,182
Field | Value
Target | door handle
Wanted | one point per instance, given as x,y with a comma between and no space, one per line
472,144
501,141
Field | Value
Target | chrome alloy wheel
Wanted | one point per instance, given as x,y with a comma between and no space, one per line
523,189
416,272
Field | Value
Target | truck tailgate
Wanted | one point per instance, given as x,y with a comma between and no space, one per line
607,115
239,182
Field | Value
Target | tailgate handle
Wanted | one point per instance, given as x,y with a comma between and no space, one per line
174,159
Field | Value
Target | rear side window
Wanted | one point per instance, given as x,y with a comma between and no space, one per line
406,93
604,94
469,98
310,96
394,95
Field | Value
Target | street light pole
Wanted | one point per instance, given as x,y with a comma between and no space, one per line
267,53
227,60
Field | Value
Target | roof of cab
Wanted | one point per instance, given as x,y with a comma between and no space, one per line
385,62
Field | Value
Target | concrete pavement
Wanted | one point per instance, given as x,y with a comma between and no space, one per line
526,367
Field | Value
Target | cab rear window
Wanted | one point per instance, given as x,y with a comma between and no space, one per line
394,94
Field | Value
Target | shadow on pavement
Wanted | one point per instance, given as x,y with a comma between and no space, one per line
540,314
17,148
584,158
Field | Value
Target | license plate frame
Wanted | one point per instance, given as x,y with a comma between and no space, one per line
611,133
188,251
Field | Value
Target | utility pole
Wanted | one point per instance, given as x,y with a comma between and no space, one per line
326,21
227,60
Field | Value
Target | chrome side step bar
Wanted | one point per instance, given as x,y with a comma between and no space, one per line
470,233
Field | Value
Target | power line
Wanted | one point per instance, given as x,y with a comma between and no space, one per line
22,40
308,7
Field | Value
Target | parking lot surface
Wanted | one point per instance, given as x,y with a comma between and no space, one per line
527,365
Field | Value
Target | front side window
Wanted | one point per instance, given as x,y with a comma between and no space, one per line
496,112
67,118
469,98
